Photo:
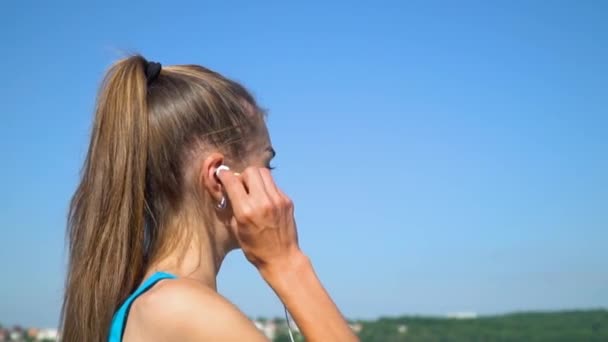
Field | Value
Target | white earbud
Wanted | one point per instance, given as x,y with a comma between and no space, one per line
221,168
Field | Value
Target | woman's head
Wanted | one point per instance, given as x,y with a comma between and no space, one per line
154,146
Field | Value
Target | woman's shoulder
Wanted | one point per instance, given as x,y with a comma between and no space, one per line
184,309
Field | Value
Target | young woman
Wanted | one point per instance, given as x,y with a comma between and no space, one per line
153,218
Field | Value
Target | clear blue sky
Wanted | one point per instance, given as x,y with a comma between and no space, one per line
443,156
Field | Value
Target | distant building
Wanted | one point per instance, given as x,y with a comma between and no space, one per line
462,315
32,333
268,328
47,334
402,328
16,334
357,327
259,324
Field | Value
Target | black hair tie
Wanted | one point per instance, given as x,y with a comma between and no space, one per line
152,71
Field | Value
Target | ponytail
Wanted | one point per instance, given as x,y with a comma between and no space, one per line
106,216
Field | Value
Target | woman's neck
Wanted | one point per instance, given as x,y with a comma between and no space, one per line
199,258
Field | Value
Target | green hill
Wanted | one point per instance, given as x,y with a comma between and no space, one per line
588,325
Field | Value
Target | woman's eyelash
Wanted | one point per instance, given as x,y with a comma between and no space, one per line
271,167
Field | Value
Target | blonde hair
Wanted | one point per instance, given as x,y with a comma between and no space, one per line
132,182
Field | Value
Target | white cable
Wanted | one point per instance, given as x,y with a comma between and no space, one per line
288,325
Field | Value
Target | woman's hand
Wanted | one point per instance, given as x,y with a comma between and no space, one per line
263,221
266,230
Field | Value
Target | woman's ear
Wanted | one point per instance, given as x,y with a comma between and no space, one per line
207,176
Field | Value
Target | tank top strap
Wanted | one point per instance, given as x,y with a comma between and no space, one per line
120,317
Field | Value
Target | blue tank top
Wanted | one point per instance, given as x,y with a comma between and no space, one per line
120,317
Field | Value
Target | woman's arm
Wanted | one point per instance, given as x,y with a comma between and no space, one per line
265,227
296,283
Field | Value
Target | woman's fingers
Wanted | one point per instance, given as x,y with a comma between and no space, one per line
254,183
235,189
263,220
271,187
248,195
